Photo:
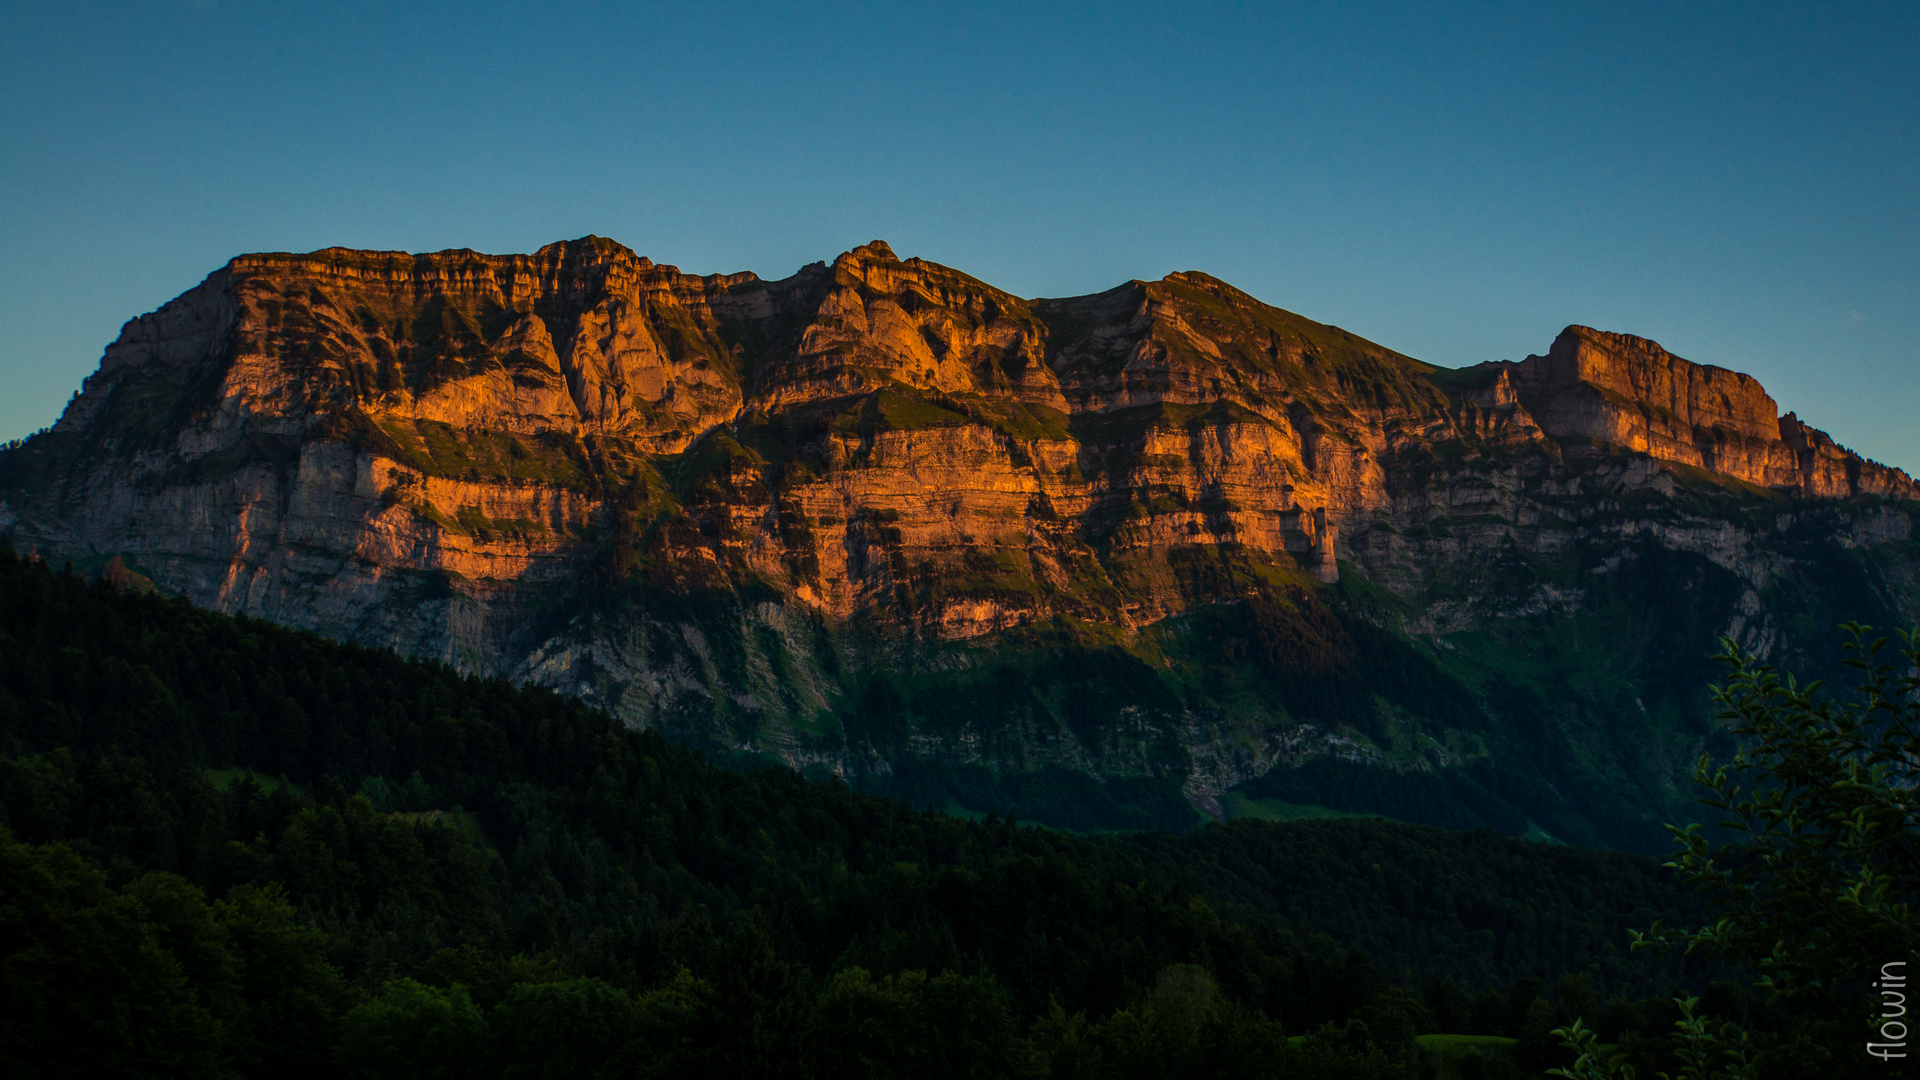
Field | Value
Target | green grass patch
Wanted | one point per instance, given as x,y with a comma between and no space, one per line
988,574
442,450
900,409
472,521
1238,805
1464,1040
709,467
954,809
1463,1057
226,778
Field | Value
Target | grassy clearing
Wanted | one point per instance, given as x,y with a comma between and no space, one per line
954,809
1440,1041
899,407
1238,805
903,410
1461,1057
226,778
438,449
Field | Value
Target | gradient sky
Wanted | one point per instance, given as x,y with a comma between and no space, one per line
1740,183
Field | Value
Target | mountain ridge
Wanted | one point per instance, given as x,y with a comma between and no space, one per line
732,508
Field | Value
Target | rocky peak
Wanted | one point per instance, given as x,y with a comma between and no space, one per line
871,251
880,321
1497,394
588,249
1192,340
1628,391
1622,366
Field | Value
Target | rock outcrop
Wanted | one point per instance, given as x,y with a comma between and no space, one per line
1629,392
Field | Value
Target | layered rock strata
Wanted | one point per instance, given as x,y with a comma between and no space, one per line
506,462
1629,392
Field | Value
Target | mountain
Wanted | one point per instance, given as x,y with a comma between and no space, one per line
1094,561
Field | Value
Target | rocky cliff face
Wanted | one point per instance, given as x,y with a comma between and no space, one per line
1629,392
882,519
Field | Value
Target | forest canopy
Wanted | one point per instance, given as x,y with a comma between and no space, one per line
235,849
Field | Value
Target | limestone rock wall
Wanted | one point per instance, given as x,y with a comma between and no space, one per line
1629,392
497,460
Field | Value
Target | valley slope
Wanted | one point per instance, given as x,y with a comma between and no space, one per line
1108,561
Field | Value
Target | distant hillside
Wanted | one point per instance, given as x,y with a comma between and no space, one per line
1140,558
191,775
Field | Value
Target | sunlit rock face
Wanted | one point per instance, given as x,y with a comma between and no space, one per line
716,504
1629,392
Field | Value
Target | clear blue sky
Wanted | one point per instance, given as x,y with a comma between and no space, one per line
1738,182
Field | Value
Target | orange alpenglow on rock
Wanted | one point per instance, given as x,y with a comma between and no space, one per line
1629,392
446,453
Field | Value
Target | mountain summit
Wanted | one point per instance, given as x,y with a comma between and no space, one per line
1095,560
